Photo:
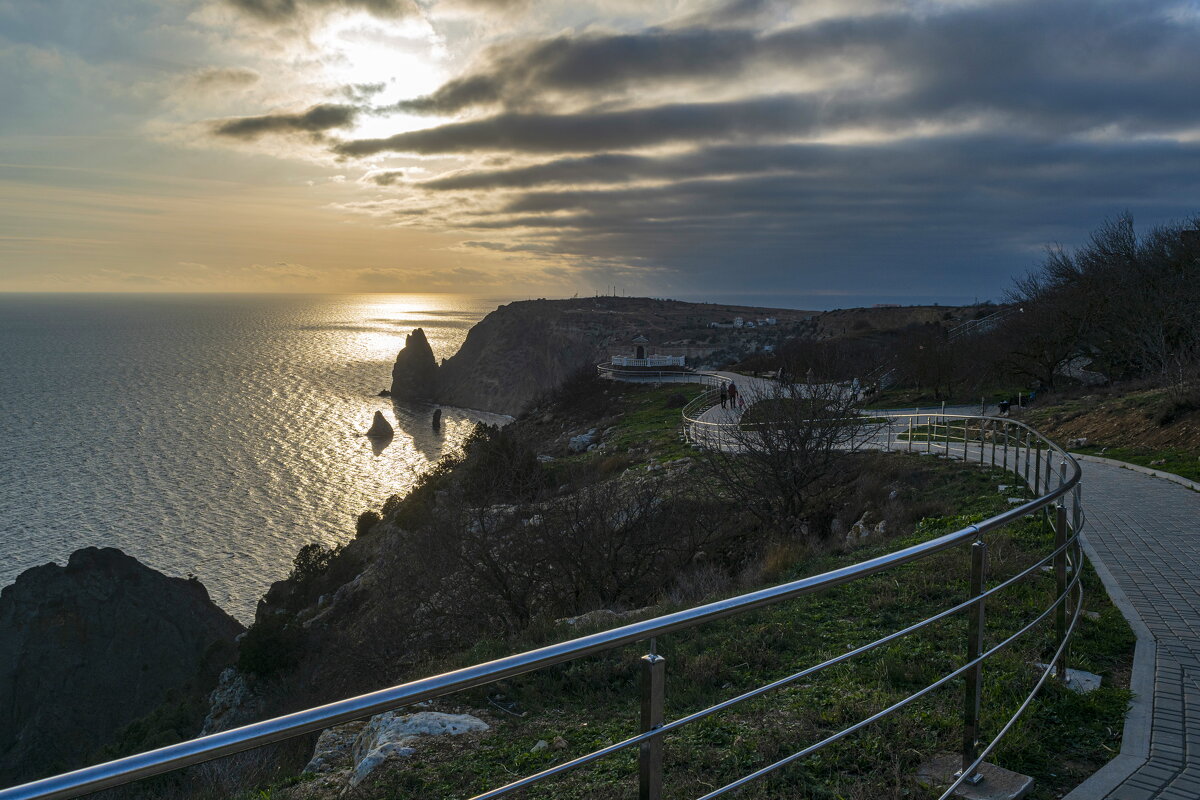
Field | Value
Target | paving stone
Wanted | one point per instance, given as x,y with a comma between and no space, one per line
1143,530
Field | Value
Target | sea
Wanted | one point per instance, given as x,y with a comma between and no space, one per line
210,435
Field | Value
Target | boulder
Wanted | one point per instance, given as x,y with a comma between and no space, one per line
380,427
350,753
414,375
580,443
89,647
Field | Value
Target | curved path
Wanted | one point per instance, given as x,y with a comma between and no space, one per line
1145,533
1142,534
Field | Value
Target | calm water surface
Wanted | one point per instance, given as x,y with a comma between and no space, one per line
212,435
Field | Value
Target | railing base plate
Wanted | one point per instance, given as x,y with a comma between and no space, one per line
997,784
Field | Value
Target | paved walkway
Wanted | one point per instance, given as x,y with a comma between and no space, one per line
1143,535
1146,532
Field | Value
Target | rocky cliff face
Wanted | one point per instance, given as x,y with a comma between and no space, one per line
89,647
516,353
414,376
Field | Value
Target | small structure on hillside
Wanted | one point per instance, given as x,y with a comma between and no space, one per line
640,356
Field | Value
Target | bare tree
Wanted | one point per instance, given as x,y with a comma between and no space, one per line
771,461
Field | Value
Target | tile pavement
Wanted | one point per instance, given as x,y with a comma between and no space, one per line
1145,531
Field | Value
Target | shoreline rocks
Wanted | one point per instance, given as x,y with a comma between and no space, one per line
89,647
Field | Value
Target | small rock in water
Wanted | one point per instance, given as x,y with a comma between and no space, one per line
380,427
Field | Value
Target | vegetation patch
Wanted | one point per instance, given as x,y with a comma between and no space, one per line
592,702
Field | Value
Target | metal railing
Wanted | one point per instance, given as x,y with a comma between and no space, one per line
1021,450
681,375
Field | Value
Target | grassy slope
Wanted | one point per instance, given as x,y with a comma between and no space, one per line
1141,427
919,398
594,701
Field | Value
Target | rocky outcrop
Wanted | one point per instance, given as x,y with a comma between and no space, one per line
348,754
414,375
87,648
520,351
380,427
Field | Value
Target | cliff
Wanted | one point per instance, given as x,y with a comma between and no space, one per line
89,647
414,375
516,353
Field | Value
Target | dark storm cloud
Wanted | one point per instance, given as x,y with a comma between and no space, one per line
963,211
286,10
1026,57
996,128
315,120
548,133
620,168
1053,69
589,62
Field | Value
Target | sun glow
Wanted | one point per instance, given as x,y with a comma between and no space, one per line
383,62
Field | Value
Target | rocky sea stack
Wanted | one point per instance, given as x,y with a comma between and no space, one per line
87,648
414,376
380,427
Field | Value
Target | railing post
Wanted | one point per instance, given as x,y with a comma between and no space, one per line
992,427
1060,582
974,676
910,422
1037,467
929,433
1028,455
650,755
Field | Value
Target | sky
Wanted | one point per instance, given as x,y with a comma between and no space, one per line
839,151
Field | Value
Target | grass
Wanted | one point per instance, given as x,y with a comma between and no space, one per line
1149,427
901,397
594,701
1185,463
650,420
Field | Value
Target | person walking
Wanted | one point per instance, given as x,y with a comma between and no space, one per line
733,394
724,395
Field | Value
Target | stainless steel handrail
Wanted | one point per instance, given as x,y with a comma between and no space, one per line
195,751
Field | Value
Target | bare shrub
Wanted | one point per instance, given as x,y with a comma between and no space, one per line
772,462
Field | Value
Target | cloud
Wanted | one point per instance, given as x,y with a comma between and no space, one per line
286,10
386,178
224,78
282,271
316,119
642,127
914,216
1072,64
